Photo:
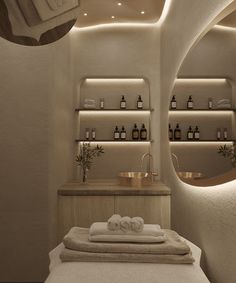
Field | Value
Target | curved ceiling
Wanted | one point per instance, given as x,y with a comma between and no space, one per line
229,21
95,12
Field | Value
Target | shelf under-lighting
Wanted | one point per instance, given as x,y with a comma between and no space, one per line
113,141
202,141
114,111
202,111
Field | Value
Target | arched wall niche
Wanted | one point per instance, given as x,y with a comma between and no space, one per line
206,73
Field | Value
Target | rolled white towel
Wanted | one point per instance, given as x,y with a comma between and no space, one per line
137,224
113,222
125,224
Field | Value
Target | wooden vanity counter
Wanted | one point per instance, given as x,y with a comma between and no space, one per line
82,204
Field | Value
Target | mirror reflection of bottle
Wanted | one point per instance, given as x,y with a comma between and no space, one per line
210,103
116,133
177,132
190,102
143,133
93,133
123,103
225,134
123,133
173,103
135,132
218,134
139,103
196,134
190,134
87,133
170,133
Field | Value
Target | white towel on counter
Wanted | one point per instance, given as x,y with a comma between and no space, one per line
125,224
113,222
49,9
137,224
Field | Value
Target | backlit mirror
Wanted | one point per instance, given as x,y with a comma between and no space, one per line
202,109
37,22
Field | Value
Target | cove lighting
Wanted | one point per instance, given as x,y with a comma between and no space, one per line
112,143
201,80
115,80
114,112
193,143
201,112
224,28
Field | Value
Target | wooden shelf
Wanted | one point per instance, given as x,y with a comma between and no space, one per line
112,109
199,141
205,110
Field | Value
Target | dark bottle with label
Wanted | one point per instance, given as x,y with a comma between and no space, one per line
123,133
177,133
190,134
196,134
139,103
190,102
135,133
116,134
170,133
123,103
93,133
173,103
225,134
143,133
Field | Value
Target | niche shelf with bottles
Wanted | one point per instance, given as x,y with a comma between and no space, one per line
213,111
120,154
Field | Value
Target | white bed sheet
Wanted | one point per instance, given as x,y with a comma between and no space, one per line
113,272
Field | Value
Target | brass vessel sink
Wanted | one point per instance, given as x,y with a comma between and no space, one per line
190,175
136,179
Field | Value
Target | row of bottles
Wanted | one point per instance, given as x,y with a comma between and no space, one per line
189,104
123,103
176,134
136,133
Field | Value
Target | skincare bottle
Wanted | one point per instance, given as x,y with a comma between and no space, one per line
196,134
116,133
173,103
102,102
143,133
123,103
210,103
87,133
135,133
177,132
123,133
170,133
139,103
225,134
93,133
218,134
190,134
190,102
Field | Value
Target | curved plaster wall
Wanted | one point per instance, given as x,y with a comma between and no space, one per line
204,215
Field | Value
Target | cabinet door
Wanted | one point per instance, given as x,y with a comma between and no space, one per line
82,211
153,209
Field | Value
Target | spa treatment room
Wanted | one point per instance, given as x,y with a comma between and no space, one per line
118,141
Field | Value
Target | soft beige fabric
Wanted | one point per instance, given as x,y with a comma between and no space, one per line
125,224
100,228
71,255
113,222
137,224
46,12
127,239
29,12
77,239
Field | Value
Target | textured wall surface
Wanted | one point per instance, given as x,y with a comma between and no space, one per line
204,215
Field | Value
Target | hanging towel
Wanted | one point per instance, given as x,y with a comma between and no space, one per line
29,12
47,11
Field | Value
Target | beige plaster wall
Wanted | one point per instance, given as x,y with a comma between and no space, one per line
204,215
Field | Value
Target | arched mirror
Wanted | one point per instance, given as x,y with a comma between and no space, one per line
37,22
202,109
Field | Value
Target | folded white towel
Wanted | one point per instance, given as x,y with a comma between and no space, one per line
125,224
126,238
49,9
137,224
100,228
224,101
224,106
113,222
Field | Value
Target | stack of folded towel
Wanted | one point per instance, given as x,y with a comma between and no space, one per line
223,104
125,239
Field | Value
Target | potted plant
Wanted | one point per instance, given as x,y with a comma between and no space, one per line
228,151
86,156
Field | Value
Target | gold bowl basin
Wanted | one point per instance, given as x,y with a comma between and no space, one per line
136,179
190,175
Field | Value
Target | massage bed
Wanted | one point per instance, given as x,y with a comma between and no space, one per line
114,272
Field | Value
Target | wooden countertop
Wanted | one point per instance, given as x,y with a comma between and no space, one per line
111,188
